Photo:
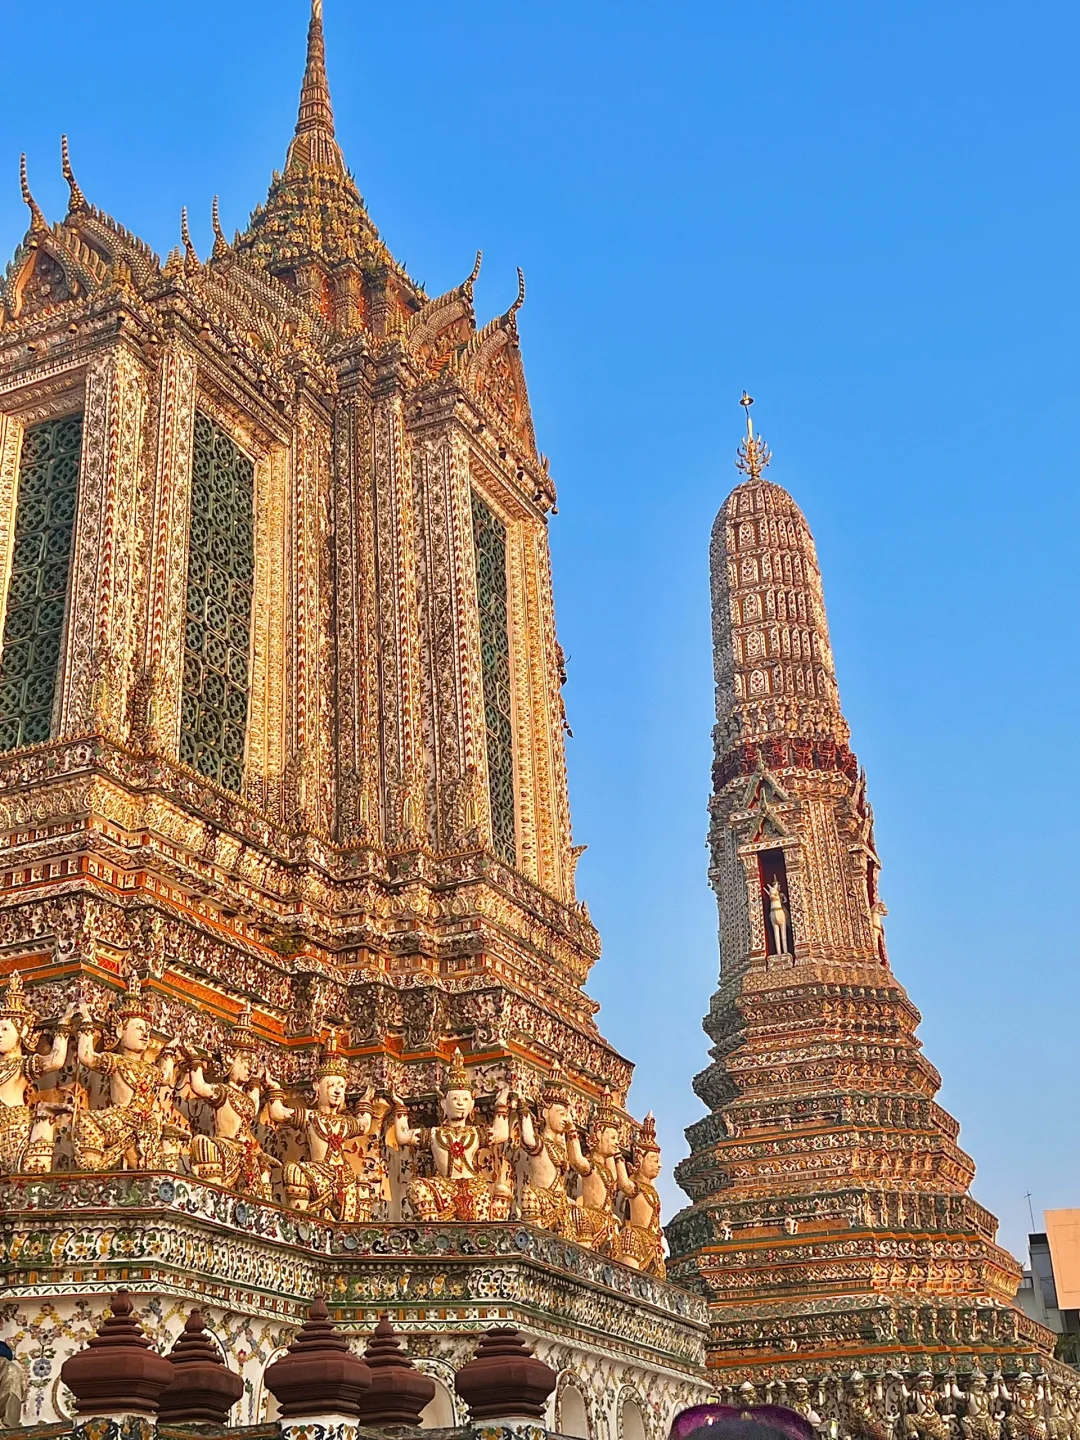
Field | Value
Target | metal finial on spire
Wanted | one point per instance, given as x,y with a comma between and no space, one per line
753,454
221,245
185,236
78,199
37,219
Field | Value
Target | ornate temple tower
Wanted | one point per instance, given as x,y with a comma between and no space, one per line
279,683
282,777
830,1221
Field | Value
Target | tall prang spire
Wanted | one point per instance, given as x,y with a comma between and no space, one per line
830,1207
314,145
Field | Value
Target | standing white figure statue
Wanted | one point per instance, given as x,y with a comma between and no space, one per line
14,1383
877,921
778,917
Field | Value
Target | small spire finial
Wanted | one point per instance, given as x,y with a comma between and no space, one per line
221,245
37,219
78,199
753,454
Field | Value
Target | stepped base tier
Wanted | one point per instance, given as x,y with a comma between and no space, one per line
67,1241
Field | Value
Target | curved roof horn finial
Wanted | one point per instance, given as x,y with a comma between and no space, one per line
185,236
37,219
516,306
221,245
78,200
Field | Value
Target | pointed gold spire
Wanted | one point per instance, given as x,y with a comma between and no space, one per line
315,108
37,219
78,199
753,454
314,146
314,214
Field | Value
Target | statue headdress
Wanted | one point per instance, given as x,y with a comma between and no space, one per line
605,1116
555,1090
14,1006
135,1005
331,1059
645,1139
242,1036
456,1077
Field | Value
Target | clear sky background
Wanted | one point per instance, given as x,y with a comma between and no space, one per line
866,214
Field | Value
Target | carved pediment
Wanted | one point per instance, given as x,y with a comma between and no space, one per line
42,283
443,326
500,382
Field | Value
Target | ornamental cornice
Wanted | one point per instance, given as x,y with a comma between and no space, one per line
185,1237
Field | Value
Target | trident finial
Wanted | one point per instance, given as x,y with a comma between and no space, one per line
754,454
78,199
37,219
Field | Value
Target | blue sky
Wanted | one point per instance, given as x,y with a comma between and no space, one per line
865,214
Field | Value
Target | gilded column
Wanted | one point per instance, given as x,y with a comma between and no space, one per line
399,630
11,432
312,759
562,835
162,658
453,684
551,806
100,637
358,809
525,736
265,761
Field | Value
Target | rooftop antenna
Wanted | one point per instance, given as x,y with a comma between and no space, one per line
1031,1213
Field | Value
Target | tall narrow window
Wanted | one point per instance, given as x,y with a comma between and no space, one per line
217,634
40,572
489,537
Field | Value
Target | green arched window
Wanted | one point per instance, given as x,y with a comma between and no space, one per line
489,538
40,576
217,631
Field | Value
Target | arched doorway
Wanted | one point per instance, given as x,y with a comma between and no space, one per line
633,1422
572,1418
438,1413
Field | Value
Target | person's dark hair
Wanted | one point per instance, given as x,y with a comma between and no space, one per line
737,1429
6,1352
735,1422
